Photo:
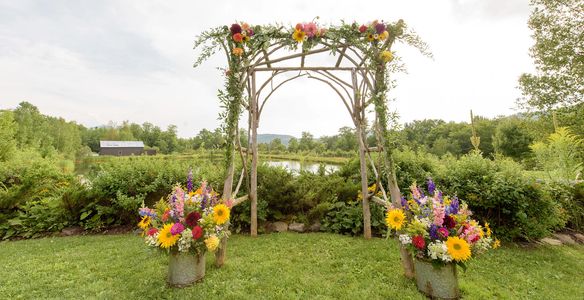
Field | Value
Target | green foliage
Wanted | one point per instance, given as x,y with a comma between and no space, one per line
561,156
497,192
571,198
512,138
7,131
557,53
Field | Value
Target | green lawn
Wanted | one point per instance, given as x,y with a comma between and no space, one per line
276,266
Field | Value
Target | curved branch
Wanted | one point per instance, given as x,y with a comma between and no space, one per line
274,89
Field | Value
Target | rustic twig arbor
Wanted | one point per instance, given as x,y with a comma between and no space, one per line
359,76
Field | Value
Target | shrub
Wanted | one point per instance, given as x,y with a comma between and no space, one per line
497,192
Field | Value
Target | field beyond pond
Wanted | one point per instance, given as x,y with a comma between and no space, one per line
275,266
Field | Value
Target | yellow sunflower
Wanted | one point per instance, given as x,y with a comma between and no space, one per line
220,214
458,248
165,238
145,222
395,219
298,36
212,243
496,244
386,56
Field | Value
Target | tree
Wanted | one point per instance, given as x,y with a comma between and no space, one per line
558,53
306,141
7,132
293,145
347,140
276,145
512,138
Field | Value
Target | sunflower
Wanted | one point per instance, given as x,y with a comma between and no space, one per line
395,219
212,243
298,36
386,56
220,214
165,238
145,222
458,248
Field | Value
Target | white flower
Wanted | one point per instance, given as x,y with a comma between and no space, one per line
185,240
405,239
438,250
425,221
152,240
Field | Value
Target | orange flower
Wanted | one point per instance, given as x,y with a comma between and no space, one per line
245,26
237,37
237,51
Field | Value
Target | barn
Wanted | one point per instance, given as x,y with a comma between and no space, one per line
121,148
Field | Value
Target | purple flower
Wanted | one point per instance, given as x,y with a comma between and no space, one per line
404,202
190,181
379,28
431,186
454,206
433,232
177,228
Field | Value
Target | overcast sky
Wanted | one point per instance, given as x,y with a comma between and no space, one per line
100,61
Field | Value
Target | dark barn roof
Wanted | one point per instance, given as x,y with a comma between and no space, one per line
121,144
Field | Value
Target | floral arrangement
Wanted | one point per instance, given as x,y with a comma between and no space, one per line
438,228
187,221
240,34
307,32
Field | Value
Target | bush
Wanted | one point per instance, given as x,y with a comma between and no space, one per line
497,192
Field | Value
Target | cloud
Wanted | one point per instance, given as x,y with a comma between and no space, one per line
96,61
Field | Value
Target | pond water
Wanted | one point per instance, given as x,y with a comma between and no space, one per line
296,166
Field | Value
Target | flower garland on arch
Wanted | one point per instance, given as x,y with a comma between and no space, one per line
242,43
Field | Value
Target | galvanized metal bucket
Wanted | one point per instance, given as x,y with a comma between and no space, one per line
437,282
185,269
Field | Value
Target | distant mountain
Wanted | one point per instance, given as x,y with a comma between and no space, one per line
268,137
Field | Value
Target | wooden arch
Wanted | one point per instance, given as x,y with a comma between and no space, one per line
360,52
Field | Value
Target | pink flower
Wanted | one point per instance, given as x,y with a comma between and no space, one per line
443,232
177,228
438,213
310,29
299,27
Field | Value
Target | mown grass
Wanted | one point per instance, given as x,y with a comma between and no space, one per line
276,266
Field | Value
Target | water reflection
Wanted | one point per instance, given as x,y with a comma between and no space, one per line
295,166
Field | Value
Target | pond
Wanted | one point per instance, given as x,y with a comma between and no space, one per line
296,166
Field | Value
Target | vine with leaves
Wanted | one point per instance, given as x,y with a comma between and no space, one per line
243,44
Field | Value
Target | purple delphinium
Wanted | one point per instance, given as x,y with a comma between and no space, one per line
404,202
190,181
433,232
431,186
454,206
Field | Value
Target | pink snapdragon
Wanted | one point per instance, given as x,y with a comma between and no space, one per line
438,210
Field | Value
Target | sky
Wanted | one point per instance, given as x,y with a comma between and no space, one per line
96,62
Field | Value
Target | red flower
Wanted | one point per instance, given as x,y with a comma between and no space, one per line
152,231
299,27
363,28
193,218
419,242
475,239
235,28
238,37
449,222
197,232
